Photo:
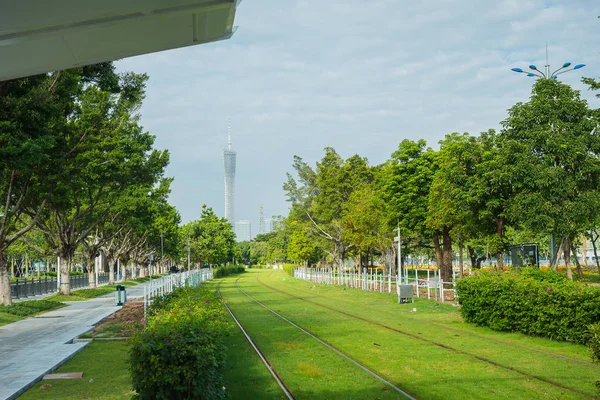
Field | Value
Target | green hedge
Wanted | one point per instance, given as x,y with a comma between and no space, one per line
220,272
180,352
289,268
530,301
30,307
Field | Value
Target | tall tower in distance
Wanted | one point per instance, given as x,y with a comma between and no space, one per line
261,226
229,162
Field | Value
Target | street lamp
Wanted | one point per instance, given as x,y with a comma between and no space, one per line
535,72
399,240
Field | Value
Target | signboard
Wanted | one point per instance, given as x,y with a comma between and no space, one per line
525,255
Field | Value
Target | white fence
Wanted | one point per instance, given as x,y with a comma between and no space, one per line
426,283
166,284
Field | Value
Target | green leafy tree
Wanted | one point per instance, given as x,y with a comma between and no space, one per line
404,185
212,238
550,147
452,194
108,153
320,195
34,116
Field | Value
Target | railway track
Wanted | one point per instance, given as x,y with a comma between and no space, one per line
417,337
288,393
327,345
444,326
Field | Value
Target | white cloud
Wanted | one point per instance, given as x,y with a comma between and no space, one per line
356,75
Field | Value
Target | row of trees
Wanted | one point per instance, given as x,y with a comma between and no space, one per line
78,173
537,177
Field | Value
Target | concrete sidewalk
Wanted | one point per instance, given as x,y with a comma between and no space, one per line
33,347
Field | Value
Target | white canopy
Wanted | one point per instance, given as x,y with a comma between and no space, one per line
38,36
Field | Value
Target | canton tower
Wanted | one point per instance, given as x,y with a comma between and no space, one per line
229,162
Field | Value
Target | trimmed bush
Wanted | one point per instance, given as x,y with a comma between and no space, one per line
289,268
30,307
220,272
530,301
180,352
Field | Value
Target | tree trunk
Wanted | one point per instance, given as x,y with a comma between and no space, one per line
124,270
461,247
500,233
111,270
557,255
438,249
5,297
446,271
578,266
91,267
567,252
595,251
66,262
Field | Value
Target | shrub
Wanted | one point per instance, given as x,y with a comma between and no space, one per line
532,302
30,307
220,272
180,353
289,268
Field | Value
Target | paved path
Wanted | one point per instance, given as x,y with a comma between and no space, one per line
33,347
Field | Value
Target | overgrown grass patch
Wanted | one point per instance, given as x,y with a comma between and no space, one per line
105,375
27,308
434,345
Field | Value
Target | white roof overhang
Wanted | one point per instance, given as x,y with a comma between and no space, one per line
38,36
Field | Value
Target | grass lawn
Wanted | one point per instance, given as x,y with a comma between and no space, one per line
86,294
429,352
245,374
106,363
6,318
105,375
25,309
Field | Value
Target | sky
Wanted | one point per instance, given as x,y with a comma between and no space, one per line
358,76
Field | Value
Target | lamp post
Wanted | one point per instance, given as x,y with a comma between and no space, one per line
399,240
535,72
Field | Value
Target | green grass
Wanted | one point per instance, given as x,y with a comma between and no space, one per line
106,363
23,309
86,294
105,375
83,294
6,318
246,375
438,356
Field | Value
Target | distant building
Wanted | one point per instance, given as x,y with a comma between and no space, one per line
243,231
267,225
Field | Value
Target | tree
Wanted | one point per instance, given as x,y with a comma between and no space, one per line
108,152
212,238
320,197
452,194
550,146
404,185
34,114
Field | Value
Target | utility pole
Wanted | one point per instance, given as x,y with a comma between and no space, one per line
399,240
162,253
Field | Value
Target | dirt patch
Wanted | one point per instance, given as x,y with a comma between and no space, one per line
122,323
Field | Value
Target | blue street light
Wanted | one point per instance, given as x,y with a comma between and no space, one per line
535,72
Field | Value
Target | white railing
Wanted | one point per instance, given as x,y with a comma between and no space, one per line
166,284
376,280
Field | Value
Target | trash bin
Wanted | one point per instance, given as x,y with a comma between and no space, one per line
120,295
405,292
